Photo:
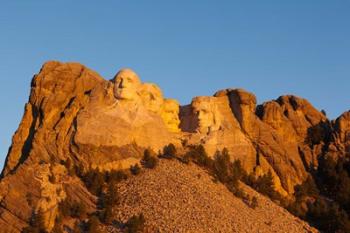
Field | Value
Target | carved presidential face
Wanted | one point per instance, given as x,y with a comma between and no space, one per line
151,96
206,113
127,84
170,114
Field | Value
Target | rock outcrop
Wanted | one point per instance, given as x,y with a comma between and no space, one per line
342,131
73,113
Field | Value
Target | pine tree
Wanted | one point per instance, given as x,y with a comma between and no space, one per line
221,165
169,151
93,225
135,169
135,224
37,224
237,172
254,203
148,160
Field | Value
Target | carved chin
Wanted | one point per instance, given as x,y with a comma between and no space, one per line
173,123
125,95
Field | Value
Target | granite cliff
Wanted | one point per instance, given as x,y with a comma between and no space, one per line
75,114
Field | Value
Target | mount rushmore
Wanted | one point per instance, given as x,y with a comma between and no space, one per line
74,113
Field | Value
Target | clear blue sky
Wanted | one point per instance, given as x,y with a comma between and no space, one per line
189,48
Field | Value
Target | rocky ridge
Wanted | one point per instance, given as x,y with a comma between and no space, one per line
74,113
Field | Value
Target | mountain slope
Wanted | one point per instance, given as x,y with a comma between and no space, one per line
175,197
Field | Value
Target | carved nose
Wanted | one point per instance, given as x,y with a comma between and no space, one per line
200,115
121,84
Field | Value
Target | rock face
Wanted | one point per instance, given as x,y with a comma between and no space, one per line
342,129
75,114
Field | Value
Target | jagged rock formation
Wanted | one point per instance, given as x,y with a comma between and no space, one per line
74,113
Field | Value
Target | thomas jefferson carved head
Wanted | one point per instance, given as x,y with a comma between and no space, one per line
152,97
